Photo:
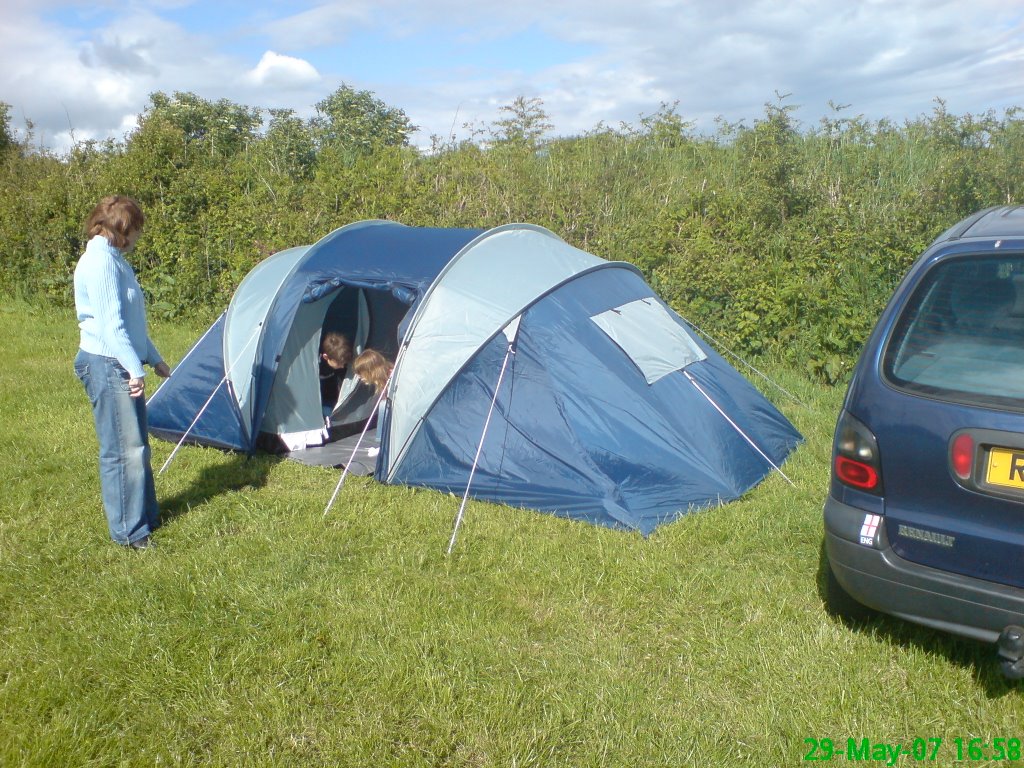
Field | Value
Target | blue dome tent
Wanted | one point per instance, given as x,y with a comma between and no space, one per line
601,403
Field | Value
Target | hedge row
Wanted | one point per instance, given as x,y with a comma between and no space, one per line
773,238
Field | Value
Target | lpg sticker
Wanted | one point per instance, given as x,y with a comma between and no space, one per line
868,529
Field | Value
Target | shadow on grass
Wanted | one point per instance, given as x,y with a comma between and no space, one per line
239,471
977,657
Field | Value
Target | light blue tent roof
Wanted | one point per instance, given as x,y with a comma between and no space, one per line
245,319
481,290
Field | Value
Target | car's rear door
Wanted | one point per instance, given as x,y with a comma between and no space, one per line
949,418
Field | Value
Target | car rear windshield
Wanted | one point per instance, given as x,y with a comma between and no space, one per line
961,335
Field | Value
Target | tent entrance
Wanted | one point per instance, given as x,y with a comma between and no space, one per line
295,416
343,451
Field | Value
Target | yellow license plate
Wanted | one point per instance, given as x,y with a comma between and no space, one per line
1006,468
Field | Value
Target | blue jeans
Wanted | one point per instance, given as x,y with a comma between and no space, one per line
126,477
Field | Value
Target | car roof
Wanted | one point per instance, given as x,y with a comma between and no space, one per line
1001,221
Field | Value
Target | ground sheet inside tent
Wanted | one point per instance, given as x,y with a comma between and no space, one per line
339,453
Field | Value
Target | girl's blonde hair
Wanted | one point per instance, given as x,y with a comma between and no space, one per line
373,368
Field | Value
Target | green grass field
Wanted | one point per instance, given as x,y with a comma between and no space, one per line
260,633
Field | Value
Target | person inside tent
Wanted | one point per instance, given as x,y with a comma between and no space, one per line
335,356
373,369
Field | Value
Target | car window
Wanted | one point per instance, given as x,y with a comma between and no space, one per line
961,334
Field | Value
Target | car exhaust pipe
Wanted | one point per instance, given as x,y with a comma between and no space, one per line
1010,647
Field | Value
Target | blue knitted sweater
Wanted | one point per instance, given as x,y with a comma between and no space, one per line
111,308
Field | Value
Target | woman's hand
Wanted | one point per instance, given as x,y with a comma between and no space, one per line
137,387
162,370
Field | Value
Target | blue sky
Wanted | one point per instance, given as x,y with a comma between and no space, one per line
84,70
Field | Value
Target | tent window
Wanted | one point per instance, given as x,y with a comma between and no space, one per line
654,339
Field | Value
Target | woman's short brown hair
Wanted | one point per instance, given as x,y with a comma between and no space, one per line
115,217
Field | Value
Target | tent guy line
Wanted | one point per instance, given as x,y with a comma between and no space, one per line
483,435
206,404
359,442
760,373
732,423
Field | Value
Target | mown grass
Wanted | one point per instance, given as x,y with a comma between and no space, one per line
260,632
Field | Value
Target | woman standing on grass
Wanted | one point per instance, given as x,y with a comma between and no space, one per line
114,347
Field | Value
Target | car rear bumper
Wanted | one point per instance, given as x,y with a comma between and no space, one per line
877,577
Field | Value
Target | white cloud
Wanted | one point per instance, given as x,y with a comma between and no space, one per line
282,71
617,61
326,24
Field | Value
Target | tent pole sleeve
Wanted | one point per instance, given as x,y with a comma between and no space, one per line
479,447
208,400
736,427
366,426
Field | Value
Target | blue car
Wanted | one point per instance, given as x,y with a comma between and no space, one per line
925,514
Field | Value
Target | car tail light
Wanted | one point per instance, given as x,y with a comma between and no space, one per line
856,462
962,456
